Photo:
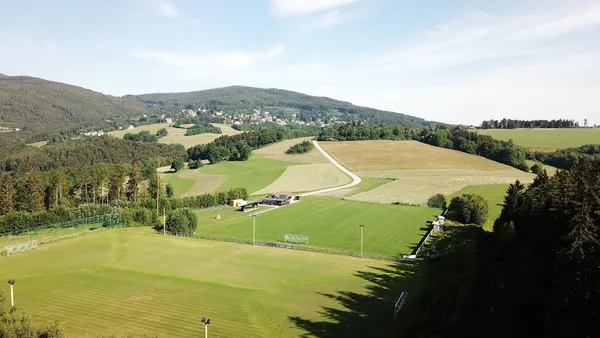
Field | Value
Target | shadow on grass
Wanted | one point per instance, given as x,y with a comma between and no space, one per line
370,314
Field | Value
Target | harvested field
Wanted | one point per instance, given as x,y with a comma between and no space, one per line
202,183
307,177
419,170
366,184
416,186
277,152
549,169
177,135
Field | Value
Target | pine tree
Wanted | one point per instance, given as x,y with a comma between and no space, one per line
7,193
135,177
116,181
57,188
30,192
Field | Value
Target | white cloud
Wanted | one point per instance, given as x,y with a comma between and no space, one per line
164,8
302,7
192,64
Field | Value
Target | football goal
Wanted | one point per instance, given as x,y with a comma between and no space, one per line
295,238
399,303
20,247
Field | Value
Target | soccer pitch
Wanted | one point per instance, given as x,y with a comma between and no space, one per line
134,281
328,222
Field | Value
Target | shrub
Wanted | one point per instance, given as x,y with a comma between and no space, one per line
536,169
195,164
182,222
300,148
177,165
469,209
437,201
162,132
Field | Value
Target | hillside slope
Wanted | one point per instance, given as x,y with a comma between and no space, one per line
38,106
306,107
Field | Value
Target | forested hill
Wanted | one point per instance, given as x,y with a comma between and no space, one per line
237,99
38,106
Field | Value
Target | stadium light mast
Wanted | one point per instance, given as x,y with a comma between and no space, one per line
205,321
253,229
362,227
11,282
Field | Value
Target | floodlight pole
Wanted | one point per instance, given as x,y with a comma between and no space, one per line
253,229
164,222
11,282
362,227
205,321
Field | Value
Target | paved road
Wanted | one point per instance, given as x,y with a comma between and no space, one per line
355,179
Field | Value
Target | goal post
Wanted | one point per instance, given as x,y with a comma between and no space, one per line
399,303
20,247
295,238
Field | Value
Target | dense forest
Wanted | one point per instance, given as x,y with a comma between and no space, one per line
306,107
536,275
456,138
567,158
76,153
513,124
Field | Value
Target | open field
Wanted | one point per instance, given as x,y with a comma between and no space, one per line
418,170
550,169
366,184
329,222
493,194
177,135
307,177
133,281
547,139
277,152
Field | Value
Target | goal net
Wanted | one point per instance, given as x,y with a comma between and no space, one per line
20,247
295,238
399,303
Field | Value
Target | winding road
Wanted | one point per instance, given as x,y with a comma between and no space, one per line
355,179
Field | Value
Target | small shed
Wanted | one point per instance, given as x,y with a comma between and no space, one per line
441,219
237,203
436,226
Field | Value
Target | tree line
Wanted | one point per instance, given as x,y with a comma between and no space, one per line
457,138
535,275
202,128
239,147
567,158
513,124
146,136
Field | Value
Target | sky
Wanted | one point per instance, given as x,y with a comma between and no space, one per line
455,61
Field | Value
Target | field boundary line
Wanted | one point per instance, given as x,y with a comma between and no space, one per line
355,179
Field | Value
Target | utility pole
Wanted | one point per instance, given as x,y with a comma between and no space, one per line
362,227
11,282
164,222
157,186
253,229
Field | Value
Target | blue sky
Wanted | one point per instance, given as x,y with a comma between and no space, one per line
458,61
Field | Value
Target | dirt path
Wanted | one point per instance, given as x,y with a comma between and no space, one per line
355,179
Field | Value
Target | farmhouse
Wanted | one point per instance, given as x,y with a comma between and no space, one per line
280,198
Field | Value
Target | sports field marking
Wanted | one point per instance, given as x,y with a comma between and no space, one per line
133,281
307,177
277,152
547,139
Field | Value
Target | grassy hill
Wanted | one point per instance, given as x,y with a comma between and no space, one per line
306,107
547,139
38,106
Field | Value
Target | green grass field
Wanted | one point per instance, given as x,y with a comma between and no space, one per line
134,281
493,194
180,185
547,139
253,174
328,222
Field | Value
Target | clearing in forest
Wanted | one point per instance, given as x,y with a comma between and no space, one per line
418,170
134,282
546,139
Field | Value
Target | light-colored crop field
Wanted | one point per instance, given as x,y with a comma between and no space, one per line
177,135
549,169
547,139
134,281
277,152
366,184
329,222
307,177
493,194
419,170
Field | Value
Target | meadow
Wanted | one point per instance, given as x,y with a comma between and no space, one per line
547,139
329,223
417,170
493,194
134,281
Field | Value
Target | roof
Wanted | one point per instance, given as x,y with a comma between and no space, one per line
286,193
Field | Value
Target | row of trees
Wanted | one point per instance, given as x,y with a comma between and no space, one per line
146,136
567,158
457,138
513,124
300,148
202,128
535,275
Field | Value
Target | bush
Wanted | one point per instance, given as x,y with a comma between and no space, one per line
469,209
182,222
177,165
536,169
195,164
437,201
162,132
300,148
